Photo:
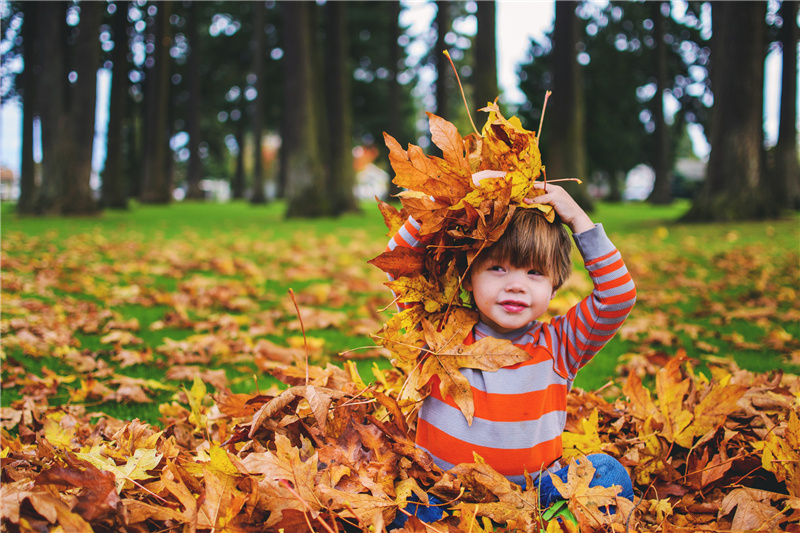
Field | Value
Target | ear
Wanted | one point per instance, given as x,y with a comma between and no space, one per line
467,282
553,295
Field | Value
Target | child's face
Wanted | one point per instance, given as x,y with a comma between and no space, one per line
507,297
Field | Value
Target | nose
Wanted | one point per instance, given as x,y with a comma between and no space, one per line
515,281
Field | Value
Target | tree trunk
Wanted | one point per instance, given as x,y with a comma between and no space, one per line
786,172
51,97
306,189
27,182
566,157
485,72
238,177
194,170
443,71
662,187
393,105
157,184
114,178
78,197
258,45
339,110
734,187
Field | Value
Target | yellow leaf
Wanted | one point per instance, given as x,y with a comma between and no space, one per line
56,435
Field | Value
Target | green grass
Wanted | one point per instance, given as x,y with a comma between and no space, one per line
125,261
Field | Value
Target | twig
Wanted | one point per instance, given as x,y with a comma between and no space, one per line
462,92
302,328
541,120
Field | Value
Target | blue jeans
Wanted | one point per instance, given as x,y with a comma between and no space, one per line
608,472
427,513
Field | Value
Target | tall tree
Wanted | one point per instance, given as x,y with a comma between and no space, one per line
662,161
339,110
51,99
735,187
26,202
485,75
114,188
194,170
786,171
78,198
393,103
156,182
306,187
566,140
67,108
444,76
258,74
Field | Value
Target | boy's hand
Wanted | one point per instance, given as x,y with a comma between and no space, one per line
566,207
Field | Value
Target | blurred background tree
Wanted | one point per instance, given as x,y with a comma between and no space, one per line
202,94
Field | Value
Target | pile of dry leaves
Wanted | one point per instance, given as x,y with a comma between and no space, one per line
331,453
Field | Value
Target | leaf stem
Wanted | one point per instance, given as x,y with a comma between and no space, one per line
302,328
541,119
462,92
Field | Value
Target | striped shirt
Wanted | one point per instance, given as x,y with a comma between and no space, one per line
521,410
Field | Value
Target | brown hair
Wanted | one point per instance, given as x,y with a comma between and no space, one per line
530,241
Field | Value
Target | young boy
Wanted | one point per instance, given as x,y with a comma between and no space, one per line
520,410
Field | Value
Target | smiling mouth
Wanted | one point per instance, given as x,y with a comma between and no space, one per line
512,306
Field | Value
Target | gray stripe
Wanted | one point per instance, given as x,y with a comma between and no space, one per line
521,380
499,435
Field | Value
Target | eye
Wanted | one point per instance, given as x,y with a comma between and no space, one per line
495,268
534,273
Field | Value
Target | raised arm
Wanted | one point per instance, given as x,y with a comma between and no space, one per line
588,326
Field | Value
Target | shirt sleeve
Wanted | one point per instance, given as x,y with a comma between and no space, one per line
407,236
590,324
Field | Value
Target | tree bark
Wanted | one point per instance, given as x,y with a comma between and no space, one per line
306,189
27,182
238,177
194,170
339,110
78,197
51,97
486,54
566,154
662,187
258,45
734,187
393,105
786,171
443,72
157,184
114,178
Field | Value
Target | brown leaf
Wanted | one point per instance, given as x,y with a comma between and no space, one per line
400,262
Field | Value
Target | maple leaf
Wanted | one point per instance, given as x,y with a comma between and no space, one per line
400,262
753,510
393,218
446,355
589,504
135,469
586,443
319,401
781,456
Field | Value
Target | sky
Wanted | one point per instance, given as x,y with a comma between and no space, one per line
517,22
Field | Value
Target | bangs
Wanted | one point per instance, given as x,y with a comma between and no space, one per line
533,243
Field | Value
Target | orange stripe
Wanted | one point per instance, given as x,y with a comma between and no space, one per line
512,462
511,407
601,258
608,269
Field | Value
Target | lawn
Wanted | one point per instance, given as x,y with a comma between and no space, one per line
146,357
121,311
